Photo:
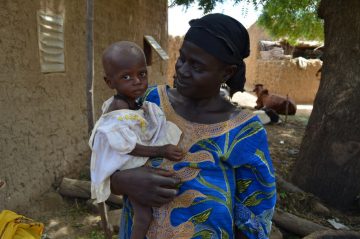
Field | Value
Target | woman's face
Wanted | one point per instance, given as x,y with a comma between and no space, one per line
198,74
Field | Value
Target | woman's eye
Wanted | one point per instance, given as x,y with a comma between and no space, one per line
196,67
126,77
179,62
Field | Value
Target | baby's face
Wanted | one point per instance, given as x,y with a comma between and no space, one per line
130,77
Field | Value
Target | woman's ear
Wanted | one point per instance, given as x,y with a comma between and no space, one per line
230,71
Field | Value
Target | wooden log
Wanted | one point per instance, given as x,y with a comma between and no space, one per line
275,233
116,199
75,188
295,224
285,185
333,234
82,189
317,206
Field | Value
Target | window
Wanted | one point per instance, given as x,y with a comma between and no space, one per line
51,42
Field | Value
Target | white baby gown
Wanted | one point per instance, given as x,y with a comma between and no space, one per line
116,134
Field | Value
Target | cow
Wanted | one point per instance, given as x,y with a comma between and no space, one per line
281,105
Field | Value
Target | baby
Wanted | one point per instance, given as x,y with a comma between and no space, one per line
128,133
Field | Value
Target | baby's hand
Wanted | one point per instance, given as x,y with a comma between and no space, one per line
172,152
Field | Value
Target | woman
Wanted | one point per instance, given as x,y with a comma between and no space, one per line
225,185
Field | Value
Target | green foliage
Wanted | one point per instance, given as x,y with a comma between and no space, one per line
206,5
289,19
292,19
96,235
209,5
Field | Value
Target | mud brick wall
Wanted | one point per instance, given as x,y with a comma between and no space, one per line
129,20
280,76
43,126
173,51
284,77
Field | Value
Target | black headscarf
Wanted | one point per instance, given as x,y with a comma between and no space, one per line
224,38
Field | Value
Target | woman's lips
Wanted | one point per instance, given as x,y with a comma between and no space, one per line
182,83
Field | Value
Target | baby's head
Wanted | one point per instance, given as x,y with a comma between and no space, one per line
125,69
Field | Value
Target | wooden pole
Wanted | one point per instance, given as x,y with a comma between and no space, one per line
90,64
286,107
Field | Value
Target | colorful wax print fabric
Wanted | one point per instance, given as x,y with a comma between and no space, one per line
227,180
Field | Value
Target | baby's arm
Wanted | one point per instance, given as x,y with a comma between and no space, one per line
167,151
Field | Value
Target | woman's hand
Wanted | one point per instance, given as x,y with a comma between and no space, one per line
149,186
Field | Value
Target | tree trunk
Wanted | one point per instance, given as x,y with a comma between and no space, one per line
329,160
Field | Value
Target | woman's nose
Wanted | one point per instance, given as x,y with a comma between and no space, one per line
182,69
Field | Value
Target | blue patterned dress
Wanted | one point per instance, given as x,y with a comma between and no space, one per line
227,180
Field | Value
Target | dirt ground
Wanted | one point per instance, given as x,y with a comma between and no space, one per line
284,140
72,218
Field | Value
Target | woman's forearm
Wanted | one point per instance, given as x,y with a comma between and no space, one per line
149,186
